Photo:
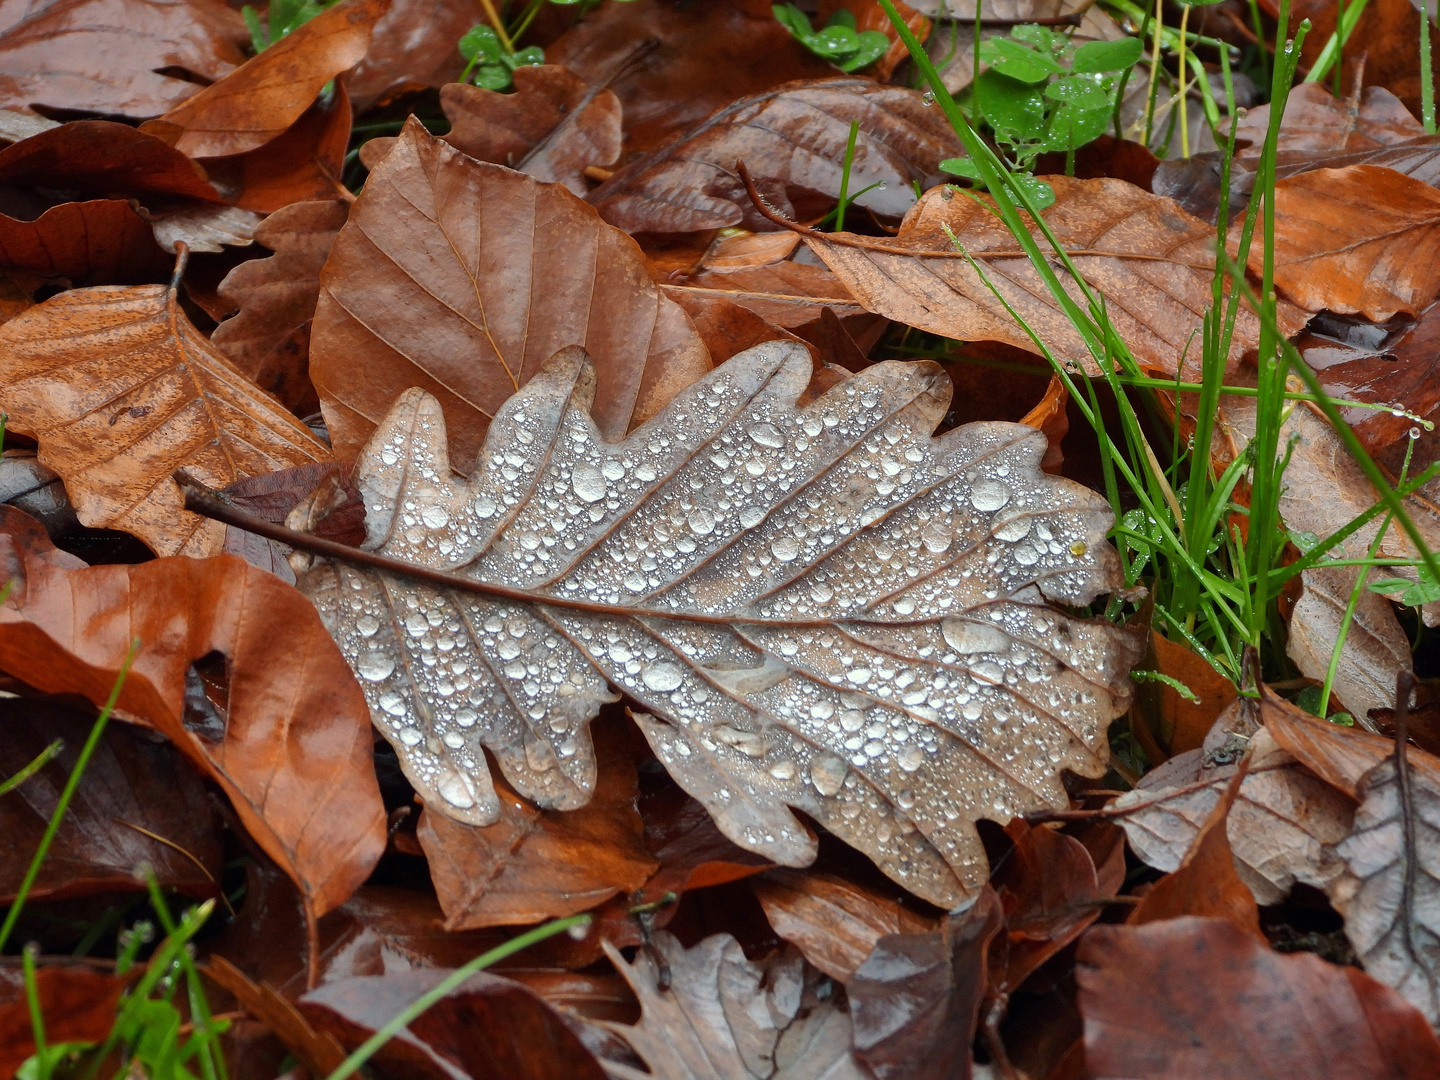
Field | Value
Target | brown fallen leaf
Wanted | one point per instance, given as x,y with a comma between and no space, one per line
268,339
294,752
78,1004
552,127
120,390
834,922
488,1028
915,1002
1390,890
106,56
101,242
257,101
1315,122
704,57
104,158
1126,242
1201,997
793,140
319,1054
413,46
1359,239
791,654
1177,723
534,864
721,1015
136,791
1339,755
1279,830
203,227
727,328
463,278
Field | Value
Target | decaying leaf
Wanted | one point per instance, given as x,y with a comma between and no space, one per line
292,751
723,1017
463,278
1390,891
823,607
534,864
793,140
1359,239
1153,263
106,56
1279,829
1194,997
120,390
552,127
1317,123
259,100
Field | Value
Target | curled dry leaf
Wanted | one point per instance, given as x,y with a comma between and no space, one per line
134,786
1201,997
534,864
463,278
294,753
259,100
674,65
1390,891
268,338
103,241
1359,239
824,607
916,999
1153,261
1279,829
793,140
552,127
103,158
106,56
834,922
120,390
723,1016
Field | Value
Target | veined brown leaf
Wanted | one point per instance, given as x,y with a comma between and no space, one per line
1151,261
120,390
823,607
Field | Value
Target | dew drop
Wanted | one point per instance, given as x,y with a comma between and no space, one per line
410,736
662,677
783,769
1079,548
375,666
750,516
393,703
989,495
588,483
701,522
785,548
455,789
828,773
909,756
967,638
766,434
484,506
612,470
367,625
434,516
453,740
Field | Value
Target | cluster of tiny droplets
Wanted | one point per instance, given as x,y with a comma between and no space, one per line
881,657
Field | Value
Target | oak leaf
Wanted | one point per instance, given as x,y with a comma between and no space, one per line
1359,239
552,127
106,56
462,278
793,140
120,390
1153,263
293,753
256,102
824,608
722,1015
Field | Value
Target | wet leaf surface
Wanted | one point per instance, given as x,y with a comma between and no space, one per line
103,158
496,273
120,390
102,241
792,139
293,756
78,1004
784,658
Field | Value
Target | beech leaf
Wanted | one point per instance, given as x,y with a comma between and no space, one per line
120,390
823,607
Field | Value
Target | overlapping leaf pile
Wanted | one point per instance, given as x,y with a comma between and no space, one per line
596,537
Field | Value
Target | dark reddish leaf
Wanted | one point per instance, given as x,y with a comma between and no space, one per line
672,65
294,756
274,496
77,1002
834,922
552,127
1315,122
258,101
100,157
105,56
319,1054
490,1027
1194,997
91,243
916,999
269,337
135,789
414,46
793,140
726,327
